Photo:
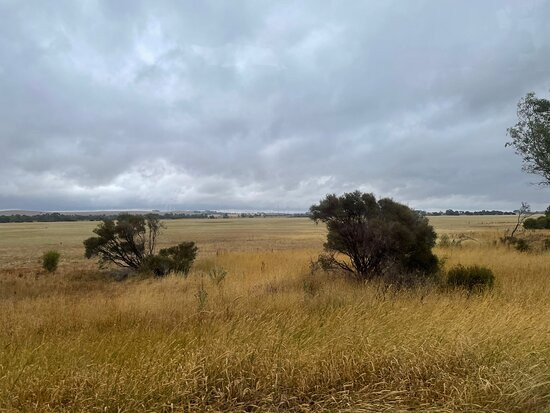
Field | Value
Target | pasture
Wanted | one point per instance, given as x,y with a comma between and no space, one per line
272,336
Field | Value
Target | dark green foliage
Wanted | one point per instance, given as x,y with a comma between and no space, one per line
472,278
50,260
531,136
125,242
366,237
537,223
130,242
157,265
177,259
181,256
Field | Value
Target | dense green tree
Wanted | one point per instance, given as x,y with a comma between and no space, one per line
366,237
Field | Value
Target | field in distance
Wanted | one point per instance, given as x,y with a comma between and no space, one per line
271,335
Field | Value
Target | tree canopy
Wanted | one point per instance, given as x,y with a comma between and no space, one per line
367,237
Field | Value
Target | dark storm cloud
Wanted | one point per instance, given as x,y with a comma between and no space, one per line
266,105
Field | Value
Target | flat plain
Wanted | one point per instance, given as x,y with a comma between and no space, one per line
273,336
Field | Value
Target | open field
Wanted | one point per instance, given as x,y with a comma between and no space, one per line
272,336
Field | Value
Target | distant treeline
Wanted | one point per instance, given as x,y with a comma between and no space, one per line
452,212
59,217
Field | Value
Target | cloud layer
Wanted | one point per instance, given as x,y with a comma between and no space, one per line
266,105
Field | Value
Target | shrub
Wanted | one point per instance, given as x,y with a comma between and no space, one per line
50,260
537,223
182,255
178,258
472,278
365,236
158,265
130,242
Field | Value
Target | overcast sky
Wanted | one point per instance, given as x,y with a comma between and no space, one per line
266,105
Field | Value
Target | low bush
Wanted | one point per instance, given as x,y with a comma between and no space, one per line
537,223
182,256
472,278
178,258
50,260
157,264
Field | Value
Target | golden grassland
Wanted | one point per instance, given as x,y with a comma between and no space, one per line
271,336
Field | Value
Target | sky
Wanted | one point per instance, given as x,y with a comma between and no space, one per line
266,105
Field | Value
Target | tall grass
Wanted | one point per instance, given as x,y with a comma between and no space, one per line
274,337
271,336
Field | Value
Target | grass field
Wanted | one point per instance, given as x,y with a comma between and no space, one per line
272,336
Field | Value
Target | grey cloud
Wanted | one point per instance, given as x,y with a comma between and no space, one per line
266,104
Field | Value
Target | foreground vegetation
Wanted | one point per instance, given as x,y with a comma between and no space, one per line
270,335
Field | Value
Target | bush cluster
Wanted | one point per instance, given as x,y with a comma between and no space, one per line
537,223
472,278
50,260
178,258
130,242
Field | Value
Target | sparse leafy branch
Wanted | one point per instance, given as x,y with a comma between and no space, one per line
530,136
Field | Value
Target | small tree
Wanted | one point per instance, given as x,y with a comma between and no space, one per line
50,260
126,242
366,237
521,214
473,278
531,136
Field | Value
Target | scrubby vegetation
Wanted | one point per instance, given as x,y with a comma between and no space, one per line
252,328
50,260
472,278
130,242
542,222
373,239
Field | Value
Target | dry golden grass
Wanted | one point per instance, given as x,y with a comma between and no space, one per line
272,336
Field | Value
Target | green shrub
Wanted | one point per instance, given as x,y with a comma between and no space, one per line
472,278
537,223
50,260
182,255
366,237
157,264
178,258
